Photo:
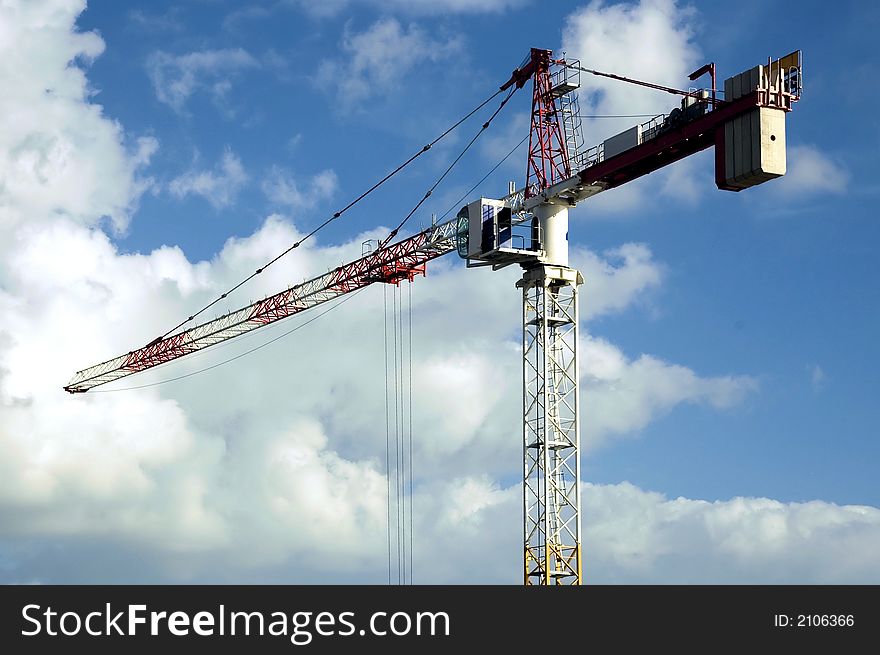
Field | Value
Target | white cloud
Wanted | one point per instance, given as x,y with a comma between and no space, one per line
176,78
183,480
637,536
624,38
281,188
615,280
219,186
467,502
811,172
686,181
625,395
378,58
59,155
270,468
633,536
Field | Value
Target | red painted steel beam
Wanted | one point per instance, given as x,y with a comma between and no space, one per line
667,148
522,75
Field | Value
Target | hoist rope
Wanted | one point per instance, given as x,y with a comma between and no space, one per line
398,434
411,495
387,426
397,471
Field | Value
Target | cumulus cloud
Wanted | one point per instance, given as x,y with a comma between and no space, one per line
634,536
639,536
282,188
142,467
59,155
618,277
630,535
378,58
219,186
176,78
685,182
812,172
184,479
625,395
623,38
270,468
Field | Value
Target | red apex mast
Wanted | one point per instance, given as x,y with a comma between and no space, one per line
548,156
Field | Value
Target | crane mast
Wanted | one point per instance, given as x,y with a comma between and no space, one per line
529,227
551,426
551,420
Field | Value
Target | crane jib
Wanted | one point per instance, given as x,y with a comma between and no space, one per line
403,259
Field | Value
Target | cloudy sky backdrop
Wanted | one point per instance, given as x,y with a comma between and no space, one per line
153,154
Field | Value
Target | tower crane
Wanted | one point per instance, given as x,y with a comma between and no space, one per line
529,228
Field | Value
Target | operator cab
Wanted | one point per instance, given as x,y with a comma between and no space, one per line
488,233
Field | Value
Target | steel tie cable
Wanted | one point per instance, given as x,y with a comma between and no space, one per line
252,334
332,218
483,128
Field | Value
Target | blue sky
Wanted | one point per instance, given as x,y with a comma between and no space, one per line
733,336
